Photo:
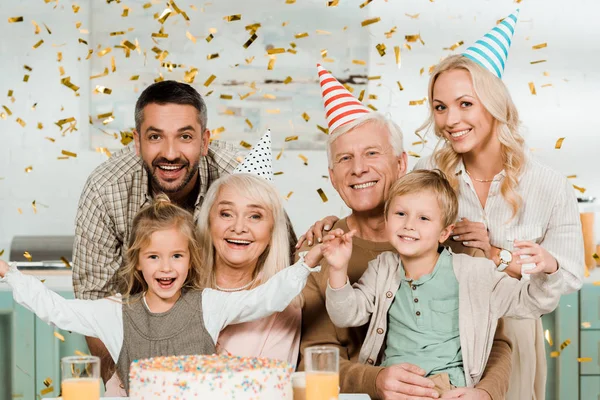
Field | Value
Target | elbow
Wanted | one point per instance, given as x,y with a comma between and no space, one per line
338,316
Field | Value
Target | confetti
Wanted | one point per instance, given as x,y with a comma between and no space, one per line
103,150
305,116
333,3
26,78
584,359
532,88
391,32
322,32
301,35
596,257
585,325
102,89
546,73
291,138
381,49
250,40
218,130
287,80
367,22
455,46
47,29
324,130
400,86
38,44
69,153
249,123
412,38
559,143
269,96
554,354
271,63
212,56
165,14
27,256
47,390
303,158
548,337
565,344
59,336
12,20
1,252
412,16
190,75
249,60
365,3
28,169
359,62
413,154
105,73
537,62
226,97
289,195
539,46
280,50
21,122
231,18
322,195
417,102
273,111
67,82
210,80
374,78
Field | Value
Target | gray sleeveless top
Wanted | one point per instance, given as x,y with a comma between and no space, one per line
177,332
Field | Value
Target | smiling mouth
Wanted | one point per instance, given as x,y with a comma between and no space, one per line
459,134
365,185
408,238
165,283
170,168
238,242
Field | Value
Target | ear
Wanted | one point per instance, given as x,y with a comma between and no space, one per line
205,142
136,140
446,232
402,164
138,267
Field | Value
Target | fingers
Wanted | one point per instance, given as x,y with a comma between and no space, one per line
329,221
475,244
415,369
475,235
309,236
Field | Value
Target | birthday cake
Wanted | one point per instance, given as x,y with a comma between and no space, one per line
215,377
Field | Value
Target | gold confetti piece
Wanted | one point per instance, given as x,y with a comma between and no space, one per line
28,68
38,44
407,46
547,85
47,382
365,3
27,256
324,130
269,96
105,115
291,138
105,73
322,32
391,32
47,29
245,145
324,53
41,126
374,78
280,50
333,3
584,359
47,390
28,169
90,51
117,33
359,62
61,122
413,154
212,56
21,122
67,82
1,252
301,35
287,80
104,52
81,353
548,337
102,89
537,62
231,18
165,14
417,102
10,93
565,344
249,123
250,40
7,110
348,87
412,38
555,354
559,143
190,75
249,60
372,107
370,21
37,27
532,88
289,195
12,20
226,96
454,46
271,63
372,97
586,325
273,111
59,336
546,73
210,80
290,1
381,49
303,158
68,153
82,41
322,195
305,116
539,46
20,211
398,56
361,96
400,85
25,78
412,16
596,257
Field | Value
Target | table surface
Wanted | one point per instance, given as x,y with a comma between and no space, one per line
341,397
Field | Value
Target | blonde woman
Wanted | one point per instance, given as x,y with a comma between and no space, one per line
244,237
519,212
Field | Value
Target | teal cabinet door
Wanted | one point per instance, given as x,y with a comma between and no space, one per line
590,388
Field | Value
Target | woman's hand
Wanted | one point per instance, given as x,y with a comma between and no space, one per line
544,262
314,256
473,234
3,268
315,232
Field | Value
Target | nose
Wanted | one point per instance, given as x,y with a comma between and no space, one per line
165,265
409,224
453,117
170,150
239,225
359,166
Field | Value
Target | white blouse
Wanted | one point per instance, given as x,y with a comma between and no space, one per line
549,215
103,318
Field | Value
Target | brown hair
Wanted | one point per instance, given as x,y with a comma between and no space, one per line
160,215
496,99
422,180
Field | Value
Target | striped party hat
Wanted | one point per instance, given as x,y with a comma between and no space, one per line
491,51
340,106
259,160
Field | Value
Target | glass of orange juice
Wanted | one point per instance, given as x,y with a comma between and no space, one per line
80,378
322,364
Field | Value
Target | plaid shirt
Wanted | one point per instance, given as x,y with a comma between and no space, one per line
113,194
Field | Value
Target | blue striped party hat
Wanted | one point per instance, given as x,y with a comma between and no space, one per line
491,51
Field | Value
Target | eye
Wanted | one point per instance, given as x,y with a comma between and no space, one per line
372,153
400,213
343,158
424,218
153,257
154,136
186,136
439,107
177,255
225,214
466,104
256,217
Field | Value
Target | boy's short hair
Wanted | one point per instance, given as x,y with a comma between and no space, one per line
421,180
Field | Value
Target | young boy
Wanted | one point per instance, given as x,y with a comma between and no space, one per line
426,305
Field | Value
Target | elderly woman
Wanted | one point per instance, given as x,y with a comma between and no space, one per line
244,233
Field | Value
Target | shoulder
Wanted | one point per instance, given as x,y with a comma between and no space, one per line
466,266
385,259
544,180
119,168
223,154
425,163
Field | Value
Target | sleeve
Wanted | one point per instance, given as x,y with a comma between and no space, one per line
225,308
497,371
96,318
525,298
318,330
97,249
564,240
353,305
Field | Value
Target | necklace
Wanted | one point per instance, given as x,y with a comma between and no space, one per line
246,286
479,180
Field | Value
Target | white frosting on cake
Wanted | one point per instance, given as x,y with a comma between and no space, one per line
214,377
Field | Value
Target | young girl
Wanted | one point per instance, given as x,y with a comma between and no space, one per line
166,311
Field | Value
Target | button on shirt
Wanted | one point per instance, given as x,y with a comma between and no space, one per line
423,323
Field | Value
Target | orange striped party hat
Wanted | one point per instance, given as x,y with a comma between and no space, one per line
340,106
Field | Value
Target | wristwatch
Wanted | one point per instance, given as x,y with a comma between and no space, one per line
505,259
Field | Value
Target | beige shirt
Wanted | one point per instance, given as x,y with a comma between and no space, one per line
485,295
114,192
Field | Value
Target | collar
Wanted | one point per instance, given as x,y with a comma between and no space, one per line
461,170
445,256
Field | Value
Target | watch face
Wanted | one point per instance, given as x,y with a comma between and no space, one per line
506,256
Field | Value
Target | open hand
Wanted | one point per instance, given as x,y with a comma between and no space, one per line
544,262
316,232
404,382
465,393
337,249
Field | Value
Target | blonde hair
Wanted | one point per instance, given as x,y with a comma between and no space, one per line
375,118
496,99
277,254
423,180
159,216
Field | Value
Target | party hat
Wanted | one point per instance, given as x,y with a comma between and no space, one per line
340,106
258,161
491,51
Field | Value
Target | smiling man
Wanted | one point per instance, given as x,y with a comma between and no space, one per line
172,155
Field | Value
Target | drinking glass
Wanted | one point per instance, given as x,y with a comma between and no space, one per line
80,378
322,373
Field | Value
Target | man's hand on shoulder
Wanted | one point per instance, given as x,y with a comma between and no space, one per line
404,381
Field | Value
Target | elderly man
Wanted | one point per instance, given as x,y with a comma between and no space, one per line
365,157
172,155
